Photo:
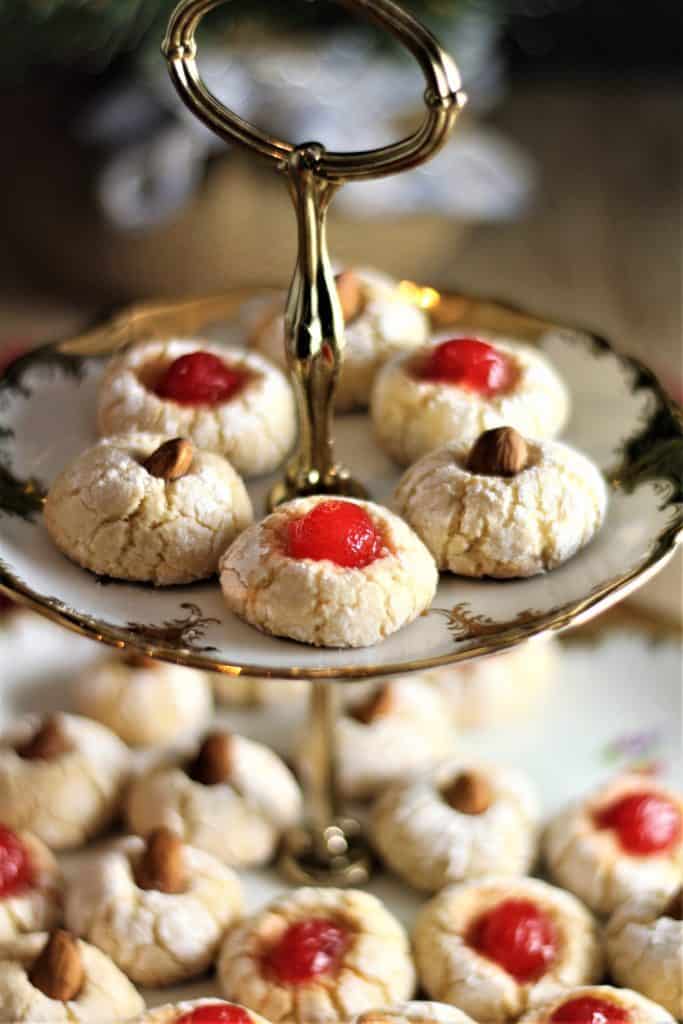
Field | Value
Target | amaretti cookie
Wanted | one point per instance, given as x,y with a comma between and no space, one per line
497,947
30,885
453,390
257,691
140,508
61,777
56,977
381,322
329,572
233,798
201,1011
145,702
399,729
317,955
414,1013
598,1004
455,823
224,399
509,507
157,907
622,841
644,943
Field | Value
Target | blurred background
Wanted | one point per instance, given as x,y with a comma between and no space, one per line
561,189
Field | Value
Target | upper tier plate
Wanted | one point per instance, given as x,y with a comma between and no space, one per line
621,417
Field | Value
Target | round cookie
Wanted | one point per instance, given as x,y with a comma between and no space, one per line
644,944
509,508
598,1004
145,702
622,841
158,908
234,799
456,823
249,418
61,777
414,1013
144,509
257,691
30,885
198,1011
333,573
418,404
387,737
497,947
56,977
380,320
317,955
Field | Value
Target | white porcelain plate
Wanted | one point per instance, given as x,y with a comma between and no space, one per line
621,418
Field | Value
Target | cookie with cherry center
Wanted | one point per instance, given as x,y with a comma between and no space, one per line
414,1012
232,797
623,840
74,771
454,389
507,507
496,947
457,822
598,1004
57,977
329,572
381,320
317,955
31,885
158,907
222,398
644,944
201,1011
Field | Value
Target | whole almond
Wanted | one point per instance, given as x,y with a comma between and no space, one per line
674,907
162,865
213,763
499,452
379,705
172,461
351,297
58,972
47,744
468,793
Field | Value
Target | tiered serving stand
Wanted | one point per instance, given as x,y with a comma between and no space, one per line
622,418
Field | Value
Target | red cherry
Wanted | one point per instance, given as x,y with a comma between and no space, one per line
645,823
589,1010
216,1013
471,364
16,870
336,530
518,936
306,950
200,378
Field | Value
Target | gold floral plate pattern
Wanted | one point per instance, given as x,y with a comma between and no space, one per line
621,418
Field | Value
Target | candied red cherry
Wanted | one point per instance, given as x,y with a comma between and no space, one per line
306,950
645,823
471,364
16,870
589,1010
200,378
215,1013
518,936
336,530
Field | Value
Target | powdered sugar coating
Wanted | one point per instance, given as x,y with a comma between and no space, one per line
640,1010
486,525
255,429
38,907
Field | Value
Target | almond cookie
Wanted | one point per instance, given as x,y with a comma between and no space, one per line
140,508
622,841
497,947
56,977
455,823
414,1013
398,730
380,320
225,400
201,1011
257,692
317,955
329,572
158,908
508,508
233,799
598,1004
645,948
61,777
30,885
143,701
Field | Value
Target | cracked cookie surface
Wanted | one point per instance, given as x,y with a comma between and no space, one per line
632,1008
415,1012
